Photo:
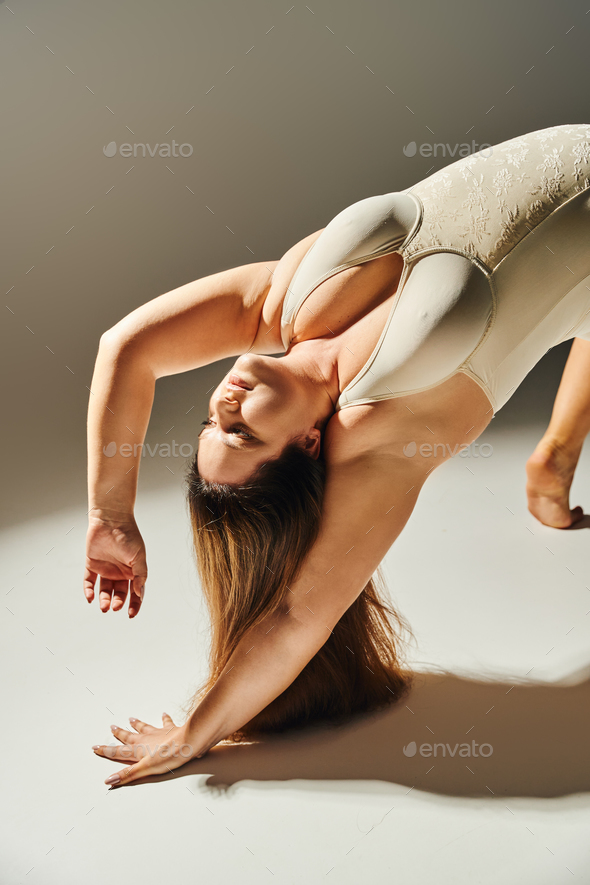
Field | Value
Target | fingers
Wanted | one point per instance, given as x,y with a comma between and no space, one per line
143,757
145,767
126,737
140,572
105,593
124,776
134,772
120,590
139,726
136,596
89,582
112,590
167,720
124,753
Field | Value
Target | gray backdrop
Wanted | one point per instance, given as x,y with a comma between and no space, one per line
292,112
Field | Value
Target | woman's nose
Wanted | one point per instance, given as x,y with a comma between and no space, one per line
230,401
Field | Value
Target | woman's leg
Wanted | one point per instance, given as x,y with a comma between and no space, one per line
550,469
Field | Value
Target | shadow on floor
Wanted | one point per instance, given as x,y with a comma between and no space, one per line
535,737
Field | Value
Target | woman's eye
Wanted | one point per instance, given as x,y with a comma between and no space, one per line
243,433
234,429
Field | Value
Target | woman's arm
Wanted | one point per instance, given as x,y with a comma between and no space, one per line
367,503
199,323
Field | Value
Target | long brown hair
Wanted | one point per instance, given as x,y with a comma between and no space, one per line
250,542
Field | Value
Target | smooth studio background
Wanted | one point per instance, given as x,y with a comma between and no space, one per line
293,112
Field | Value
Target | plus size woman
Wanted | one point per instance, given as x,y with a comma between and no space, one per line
412,317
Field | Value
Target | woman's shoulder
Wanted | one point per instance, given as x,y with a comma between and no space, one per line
268,338
373,429
453,412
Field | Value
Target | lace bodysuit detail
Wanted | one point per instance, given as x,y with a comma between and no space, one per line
484,204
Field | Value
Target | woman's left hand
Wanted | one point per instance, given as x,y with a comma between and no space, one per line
147,750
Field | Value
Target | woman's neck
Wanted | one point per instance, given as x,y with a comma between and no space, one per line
315,360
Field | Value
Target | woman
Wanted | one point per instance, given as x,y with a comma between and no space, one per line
408,321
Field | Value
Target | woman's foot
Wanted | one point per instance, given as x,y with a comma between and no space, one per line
550,471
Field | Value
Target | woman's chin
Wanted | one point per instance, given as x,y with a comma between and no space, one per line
254,367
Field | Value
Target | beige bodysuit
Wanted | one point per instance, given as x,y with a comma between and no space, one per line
496,250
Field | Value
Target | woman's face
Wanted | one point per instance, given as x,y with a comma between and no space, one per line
250,426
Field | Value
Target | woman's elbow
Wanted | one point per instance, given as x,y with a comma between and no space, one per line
119,337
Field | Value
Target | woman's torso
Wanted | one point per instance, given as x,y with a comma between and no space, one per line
349,309
480,212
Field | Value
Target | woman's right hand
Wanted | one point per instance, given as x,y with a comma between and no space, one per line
115,552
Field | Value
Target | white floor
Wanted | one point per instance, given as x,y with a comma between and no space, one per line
492,596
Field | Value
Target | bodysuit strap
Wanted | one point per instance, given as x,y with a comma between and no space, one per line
365,230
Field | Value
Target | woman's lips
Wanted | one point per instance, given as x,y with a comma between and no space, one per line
235,381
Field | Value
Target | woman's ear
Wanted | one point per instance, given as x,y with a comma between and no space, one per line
312,443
